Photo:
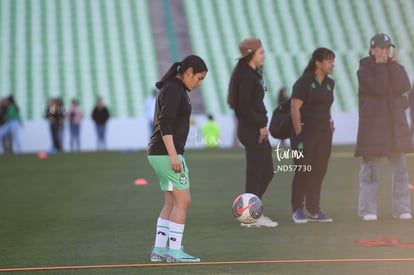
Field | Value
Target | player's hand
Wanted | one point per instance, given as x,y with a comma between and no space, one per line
298,130
264,134
176,165
332,127
394,55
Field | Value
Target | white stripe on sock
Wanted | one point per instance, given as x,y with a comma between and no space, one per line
176,232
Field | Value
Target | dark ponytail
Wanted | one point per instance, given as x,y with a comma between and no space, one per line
319,54
179,68
172,71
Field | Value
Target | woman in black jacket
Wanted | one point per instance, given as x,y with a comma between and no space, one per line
383,129
246,93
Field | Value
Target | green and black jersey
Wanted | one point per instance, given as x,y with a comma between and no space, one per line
317,97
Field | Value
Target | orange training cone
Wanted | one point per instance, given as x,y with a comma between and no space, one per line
42,155
141,182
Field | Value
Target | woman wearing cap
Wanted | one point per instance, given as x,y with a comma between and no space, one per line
312,97
245,97
383,129
165,154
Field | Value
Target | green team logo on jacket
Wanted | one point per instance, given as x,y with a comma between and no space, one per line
313,85
328,87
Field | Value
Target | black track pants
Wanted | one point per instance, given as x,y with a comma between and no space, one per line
259,163
306,185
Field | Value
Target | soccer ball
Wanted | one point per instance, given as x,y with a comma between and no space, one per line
247,208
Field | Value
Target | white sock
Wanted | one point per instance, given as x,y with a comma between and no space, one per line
161,237
176,235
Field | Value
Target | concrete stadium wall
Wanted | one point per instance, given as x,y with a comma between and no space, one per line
132,134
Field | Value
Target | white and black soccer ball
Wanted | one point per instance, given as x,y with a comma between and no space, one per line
247,208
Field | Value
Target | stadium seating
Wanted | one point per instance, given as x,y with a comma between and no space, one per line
77,49
290,31
82,49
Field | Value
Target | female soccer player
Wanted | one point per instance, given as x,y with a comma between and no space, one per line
312,97
165,154
246,92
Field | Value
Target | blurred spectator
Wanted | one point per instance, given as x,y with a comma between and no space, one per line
211,132
282,97
12,123
150,108
75,119
100,115
7,141
55,113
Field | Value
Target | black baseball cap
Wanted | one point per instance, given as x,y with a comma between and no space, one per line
381,40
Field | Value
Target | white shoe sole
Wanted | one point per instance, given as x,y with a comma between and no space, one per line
406,216
258,225
313,220
262,225
299,221
369,218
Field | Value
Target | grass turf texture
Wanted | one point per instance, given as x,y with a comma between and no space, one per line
83,209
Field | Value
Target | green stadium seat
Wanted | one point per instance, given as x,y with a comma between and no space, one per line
290,31
83,49
77,49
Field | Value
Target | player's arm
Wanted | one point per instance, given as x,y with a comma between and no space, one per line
174,159
295,105
247,88
169,105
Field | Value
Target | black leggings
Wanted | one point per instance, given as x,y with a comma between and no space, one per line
317,145
259,163
55,129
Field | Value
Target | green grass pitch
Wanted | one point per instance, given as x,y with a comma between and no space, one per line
84,210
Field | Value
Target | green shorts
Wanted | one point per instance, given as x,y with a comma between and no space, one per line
167,177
